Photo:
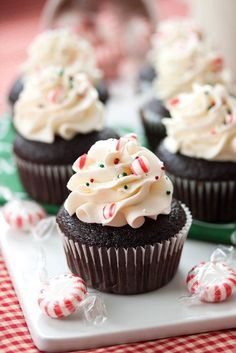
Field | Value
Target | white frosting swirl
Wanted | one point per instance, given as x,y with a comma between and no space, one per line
187,62
117,183
203,124
54,102
170,31
63,48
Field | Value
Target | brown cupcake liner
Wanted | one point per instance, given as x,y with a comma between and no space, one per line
127,271
154,129
45,183
209,201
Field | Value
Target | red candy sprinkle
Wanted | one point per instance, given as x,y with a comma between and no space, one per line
174,101
162,167
157,177
81,161
116,160
91,180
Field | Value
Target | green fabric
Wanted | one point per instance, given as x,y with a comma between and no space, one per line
225,234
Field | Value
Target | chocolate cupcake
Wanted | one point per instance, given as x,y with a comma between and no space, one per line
60,47
57,116
122,231
184,60
200,152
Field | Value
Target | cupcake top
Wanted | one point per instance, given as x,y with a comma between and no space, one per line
118,182
54,102
170,31
203,124
187,62
63,48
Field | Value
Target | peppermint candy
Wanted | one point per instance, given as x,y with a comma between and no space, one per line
80,162
140,166
22,214
61,296
109,210
213,281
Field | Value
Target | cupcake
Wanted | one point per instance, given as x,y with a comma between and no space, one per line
200,152
122,231
57,116
185,62
60,47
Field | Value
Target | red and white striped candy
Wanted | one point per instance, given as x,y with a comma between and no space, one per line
61,296
55,94
140,166
131,137
109,210
23,214
80,162
213,281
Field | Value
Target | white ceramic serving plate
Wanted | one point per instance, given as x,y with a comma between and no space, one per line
130,318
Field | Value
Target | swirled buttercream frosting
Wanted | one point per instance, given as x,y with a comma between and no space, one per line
54,102
186,62
118,182
170,31
64,48
203,124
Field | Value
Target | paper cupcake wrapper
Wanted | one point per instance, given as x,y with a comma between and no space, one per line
154,129
127,271
209,201
45,183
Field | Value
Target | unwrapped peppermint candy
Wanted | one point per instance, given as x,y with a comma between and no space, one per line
61,295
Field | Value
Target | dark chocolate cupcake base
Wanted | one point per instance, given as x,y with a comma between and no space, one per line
152,114
208,188
60,152
44,183
45,168
125,269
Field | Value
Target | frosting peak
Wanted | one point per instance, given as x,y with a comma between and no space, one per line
54,102
64,48
170,31
188,61
203,124
118,182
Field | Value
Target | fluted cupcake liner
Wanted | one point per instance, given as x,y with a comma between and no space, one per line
154,129
209,201
130,270
45,183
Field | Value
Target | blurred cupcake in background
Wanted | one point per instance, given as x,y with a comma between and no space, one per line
200,152
122,230
185,62
57,116
64,48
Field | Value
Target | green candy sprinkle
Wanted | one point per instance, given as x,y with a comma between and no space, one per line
125,187
101,165
168,192
87,184
124,174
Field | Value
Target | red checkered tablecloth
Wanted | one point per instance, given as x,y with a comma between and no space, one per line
18,25
15,337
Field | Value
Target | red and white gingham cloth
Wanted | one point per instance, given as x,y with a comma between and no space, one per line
15,337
